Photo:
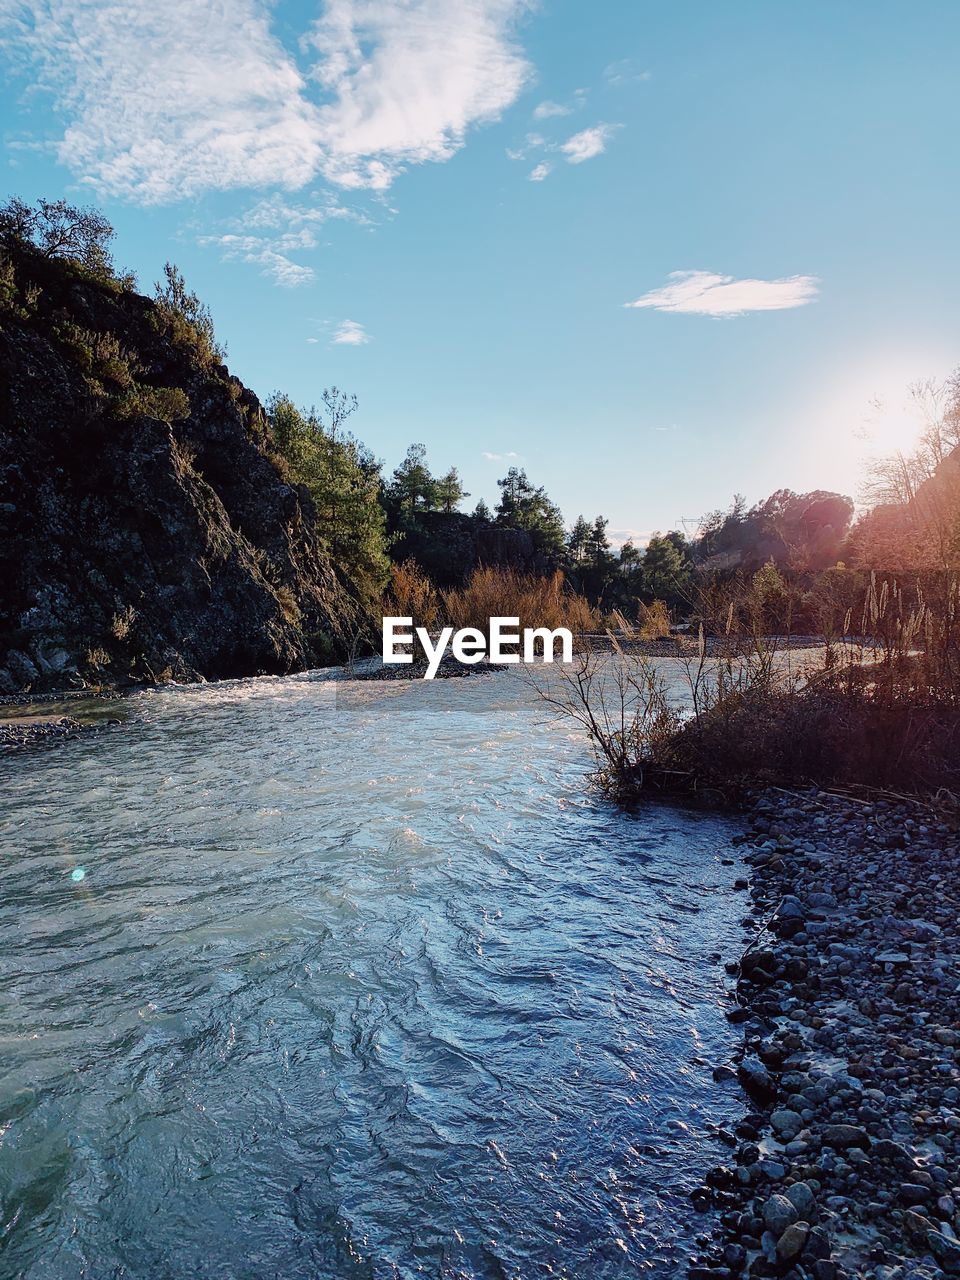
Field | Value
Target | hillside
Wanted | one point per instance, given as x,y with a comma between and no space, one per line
147,530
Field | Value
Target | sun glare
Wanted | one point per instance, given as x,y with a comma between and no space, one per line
880,410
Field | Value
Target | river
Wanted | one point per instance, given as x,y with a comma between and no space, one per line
309,977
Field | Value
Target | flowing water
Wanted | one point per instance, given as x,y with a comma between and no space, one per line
318,978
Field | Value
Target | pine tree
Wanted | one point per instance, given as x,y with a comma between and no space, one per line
343,479
523,506
450,491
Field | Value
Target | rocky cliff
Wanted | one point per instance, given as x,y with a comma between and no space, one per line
147,529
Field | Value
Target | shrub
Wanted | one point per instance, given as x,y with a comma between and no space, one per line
166,404
413,595
57,229
654,621
122,622
188,320
881,709
537,601
288,605
8,284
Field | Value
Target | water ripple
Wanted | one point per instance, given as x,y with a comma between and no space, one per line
356,981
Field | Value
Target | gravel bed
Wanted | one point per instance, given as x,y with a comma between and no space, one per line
847,1163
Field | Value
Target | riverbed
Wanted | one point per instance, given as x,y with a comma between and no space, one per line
335,978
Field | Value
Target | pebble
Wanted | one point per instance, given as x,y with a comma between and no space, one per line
847,1166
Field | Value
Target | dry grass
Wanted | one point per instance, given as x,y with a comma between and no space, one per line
654,621
413,595
881,709
536,601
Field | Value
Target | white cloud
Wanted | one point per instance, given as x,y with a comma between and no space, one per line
169,99
277,213
540,171
548,109
273,228
532,142
407,78
626,71
164,101
704,293
500,457
351,334
264,253
313,340
639,537
586,144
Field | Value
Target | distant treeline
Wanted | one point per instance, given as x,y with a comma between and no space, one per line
792,551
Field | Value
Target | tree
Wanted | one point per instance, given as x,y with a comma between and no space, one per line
173,296
579,541
412,488
628,583
482,512
522,506
801,531
596,568
343,479
339,406
665,572
57,229
917,523
769,600
450,491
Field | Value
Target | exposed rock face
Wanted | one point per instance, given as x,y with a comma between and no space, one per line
133,547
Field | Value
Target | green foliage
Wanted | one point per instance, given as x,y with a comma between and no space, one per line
769,601
166,404
450,491
20,305
578,541
801,531
57,229
111,371
8,284
666,570
592,566
189,321
412,487
343,479
524,506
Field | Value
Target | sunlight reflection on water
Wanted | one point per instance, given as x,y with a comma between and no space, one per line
358,980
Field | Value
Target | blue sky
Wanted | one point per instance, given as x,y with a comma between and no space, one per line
445,206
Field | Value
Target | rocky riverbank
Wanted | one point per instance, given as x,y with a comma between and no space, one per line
30,722
18,736
848,1161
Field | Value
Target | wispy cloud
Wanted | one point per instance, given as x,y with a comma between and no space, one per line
350,333
705,293
501,457
166,101
408,78
532,142
639,537
546,110
625,71
264,253
587,143
576,149
274,228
